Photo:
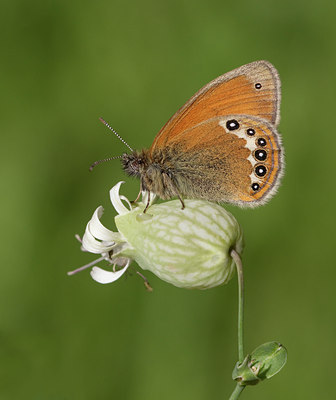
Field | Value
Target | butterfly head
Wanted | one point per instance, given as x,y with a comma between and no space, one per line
151,172
134,164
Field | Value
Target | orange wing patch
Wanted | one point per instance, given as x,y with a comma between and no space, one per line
253,89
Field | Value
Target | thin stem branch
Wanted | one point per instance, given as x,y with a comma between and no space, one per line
91,264
236,258
239,265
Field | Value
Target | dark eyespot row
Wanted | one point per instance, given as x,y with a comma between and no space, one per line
258,85
260,154
260,169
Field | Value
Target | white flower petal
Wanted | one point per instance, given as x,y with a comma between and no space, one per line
102,276
98,230
122,197
91,244
116,200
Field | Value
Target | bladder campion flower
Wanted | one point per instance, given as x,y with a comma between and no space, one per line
188,248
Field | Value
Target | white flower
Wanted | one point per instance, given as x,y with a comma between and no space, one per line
189,248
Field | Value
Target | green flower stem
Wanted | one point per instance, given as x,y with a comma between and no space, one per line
240,274
236,257
235,394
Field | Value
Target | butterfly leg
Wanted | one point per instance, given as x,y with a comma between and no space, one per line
174,189
181,200
138,196
148,201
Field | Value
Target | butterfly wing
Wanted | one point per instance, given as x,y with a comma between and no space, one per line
235,159
223,142
253,89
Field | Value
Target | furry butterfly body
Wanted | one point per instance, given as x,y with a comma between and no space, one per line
222,145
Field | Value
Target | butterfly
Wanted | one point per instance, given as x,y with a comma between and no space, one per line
222,145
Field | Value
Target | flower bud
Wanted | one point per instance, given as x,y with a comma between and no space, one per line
263,363
268,359
188,248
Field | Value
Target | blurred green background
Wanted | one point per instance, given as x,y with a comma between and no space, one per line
64,64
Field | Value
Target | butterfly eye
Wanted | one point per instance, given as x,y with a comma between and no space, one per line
232,125
135,165
260,170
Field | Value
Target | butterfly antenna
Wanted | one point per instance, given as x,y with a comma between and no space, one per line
101,161
118,136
